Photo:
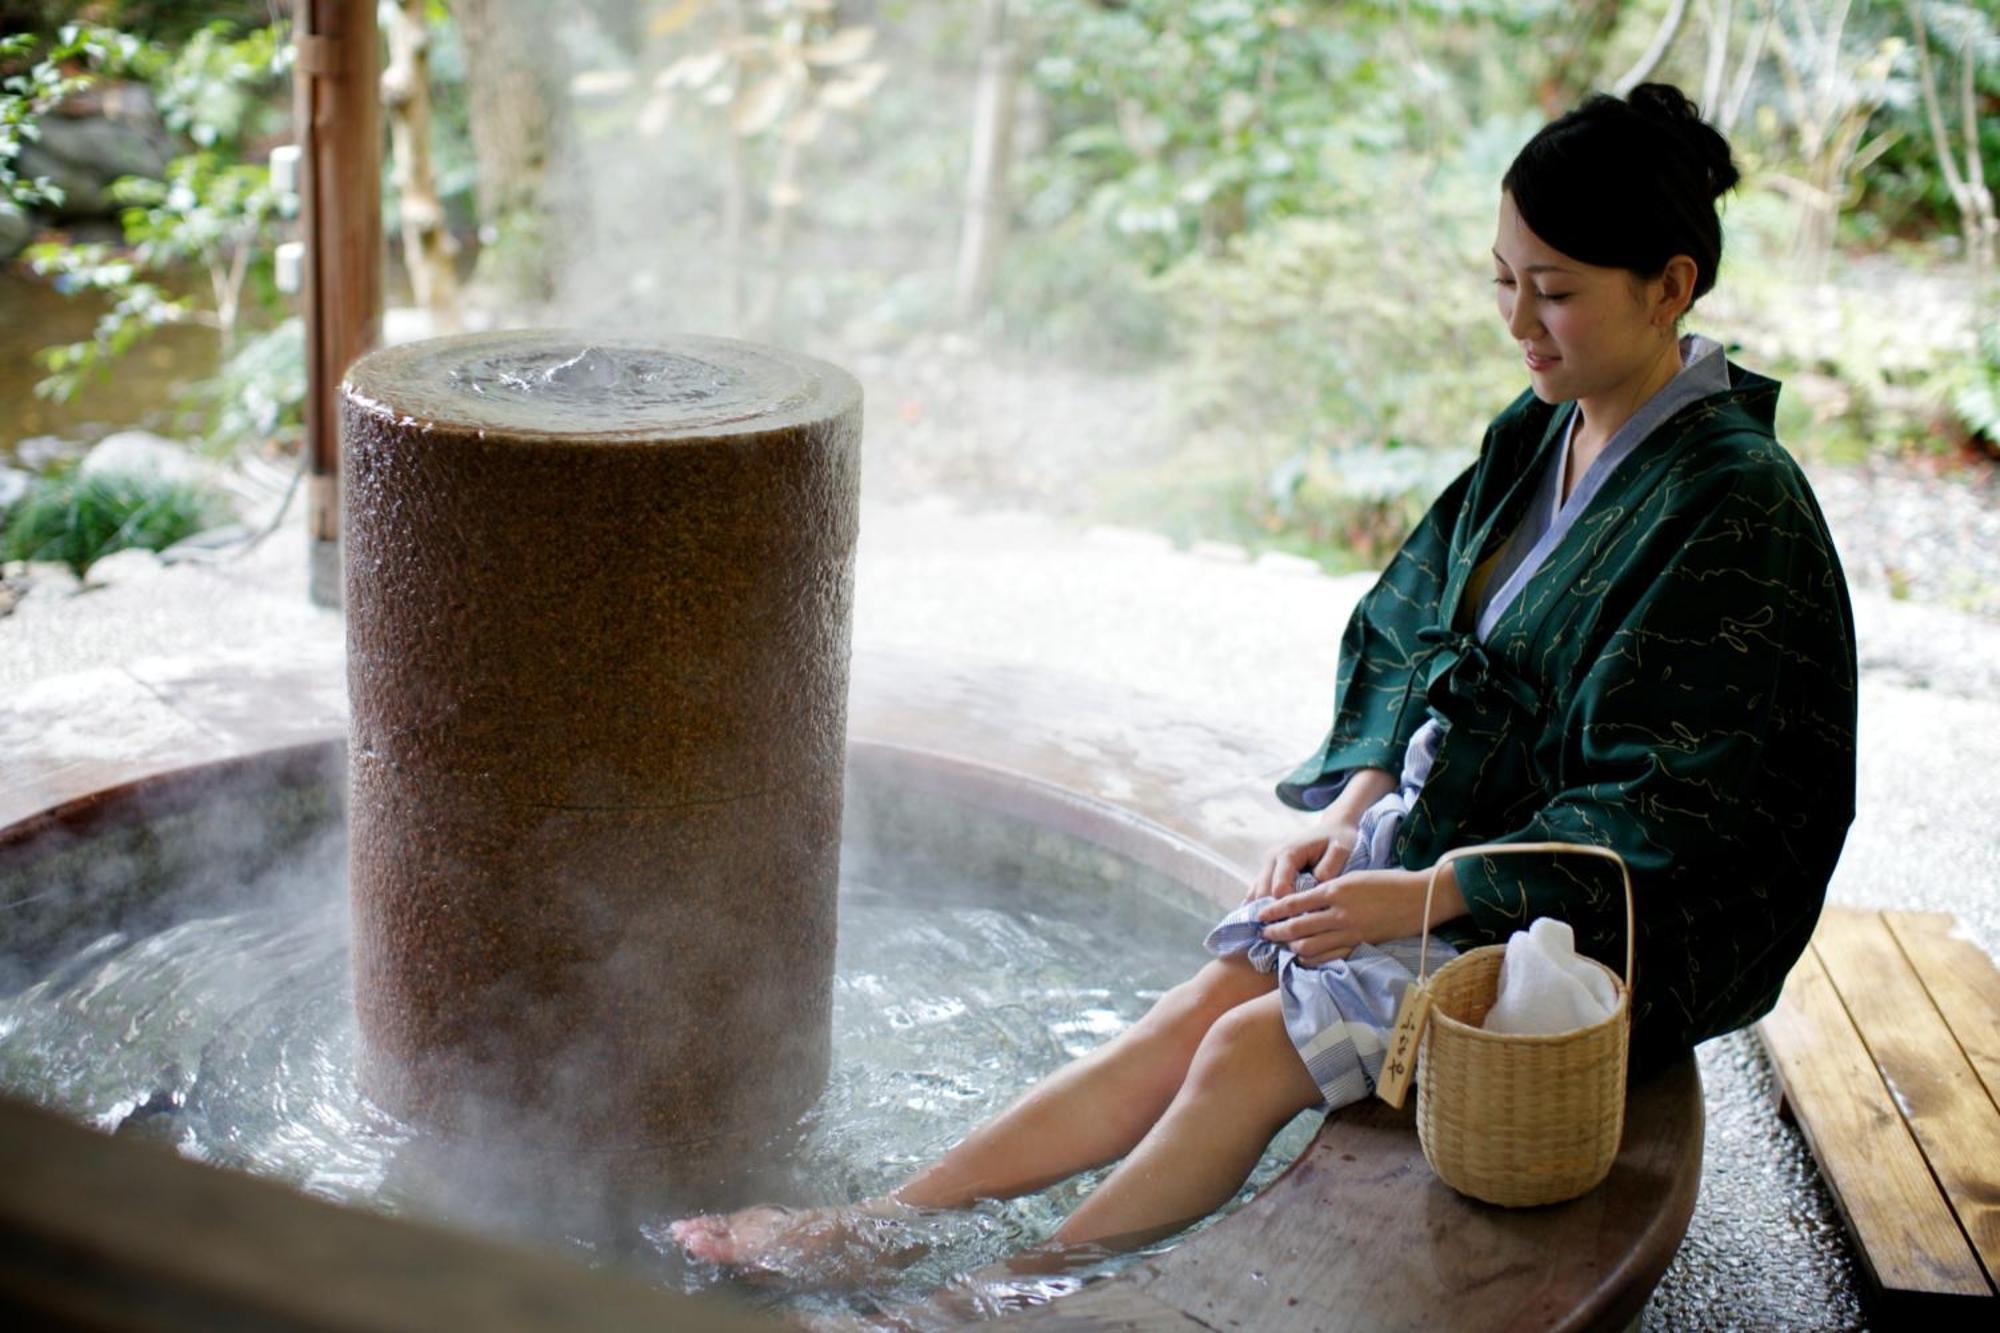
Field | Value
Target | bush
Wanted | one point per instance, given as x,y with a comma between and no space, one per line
81,519
1345,365
257,397
1975,394
1072,295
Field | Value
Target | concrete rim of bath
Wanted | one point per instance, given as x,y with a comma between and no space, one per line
1190,1286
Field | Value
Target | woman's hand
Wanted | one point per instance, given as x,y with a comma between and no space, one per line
1367,907
1324,851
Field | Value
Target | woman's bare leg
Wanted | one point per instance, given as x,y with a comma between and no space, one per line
1245,1084
1091,1111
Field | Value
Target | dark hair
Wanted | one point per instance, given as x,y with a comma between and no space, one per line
1627,183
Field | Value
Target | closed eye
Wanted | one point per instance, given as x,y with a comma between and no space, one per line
1540,296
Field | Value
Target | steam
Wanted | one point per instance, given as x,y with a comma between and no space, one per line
199,995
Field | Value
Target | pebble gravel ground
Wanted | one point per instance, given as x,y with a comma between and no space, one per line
1917,533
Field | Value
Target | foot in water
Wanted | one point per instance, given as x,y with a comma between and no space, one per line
821,1246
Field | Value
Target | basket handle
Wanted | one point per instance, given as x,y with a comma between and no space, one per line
1500,848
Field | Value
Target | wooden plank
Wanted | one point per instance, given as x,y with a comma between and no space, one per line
1384,1245
1942,1100
1908,1238
102,1232
1963,983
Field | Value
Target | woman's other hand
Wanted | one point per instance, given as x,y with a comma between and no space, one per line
1367,907
1324,851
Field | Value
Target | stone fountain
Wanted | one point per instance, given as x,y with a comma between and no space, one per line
598,603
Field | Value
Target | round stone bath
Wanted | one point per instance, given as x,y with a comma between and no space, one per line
1356,1234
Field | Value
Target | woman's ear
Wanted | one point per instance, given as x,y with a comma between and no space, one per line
1676,290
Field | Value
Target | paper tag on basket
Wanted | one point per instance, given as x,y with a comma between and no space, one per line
1399,1061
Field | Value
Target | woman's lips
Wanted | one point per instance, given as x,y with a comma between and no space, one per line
1540,362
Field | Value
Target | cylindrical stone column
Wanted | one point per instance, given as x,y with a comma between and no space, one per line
598,605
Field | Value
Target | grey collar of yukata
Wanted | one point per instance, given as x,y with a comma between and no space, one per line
1704,371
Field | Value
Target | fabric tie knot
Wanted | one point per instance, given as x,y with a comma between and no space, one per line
1459,661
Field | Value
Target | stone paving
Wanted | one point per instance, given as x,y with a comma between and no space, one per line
89,684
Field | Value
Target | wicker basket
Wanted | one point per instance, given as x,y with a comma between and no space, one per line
1510,1119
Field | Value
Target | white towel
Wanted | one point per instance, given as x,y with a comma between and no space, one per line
1545,987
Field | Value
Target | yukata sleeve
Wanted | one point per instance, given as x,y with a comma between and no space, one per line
1711,743
1378,696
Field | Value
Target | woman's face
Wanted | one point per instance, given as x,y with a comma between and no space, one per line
1583,331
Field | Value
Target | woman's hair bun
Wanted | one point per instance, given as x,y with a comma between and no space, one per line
1627,182
1669,108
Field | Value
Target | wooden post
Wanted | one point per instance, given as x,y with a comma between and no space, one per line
338,113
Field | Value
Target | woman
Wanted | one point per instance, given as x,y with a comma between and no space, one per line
1624,624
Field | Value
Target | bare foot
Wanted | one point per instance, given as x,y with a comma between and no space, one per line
817,1246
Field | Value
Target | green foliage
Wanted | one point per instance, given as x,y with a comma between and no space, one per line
138,307
1351,402
1073,294
1976,395
1305,191
214,89
208,211
1180,125
27,96
79,520
258,395
163,21
1904,192
212,213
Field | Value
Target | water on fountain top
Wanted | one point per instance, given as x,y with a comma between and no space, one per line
566,384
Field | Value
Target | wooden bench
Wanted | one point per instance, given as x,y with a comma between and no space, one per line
1887,1046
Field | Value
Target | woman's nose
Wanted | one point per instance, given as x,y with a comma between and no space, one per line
1522,321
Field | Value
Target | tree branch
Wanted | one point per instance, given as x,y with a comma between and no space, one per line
1717,15
1928,82
1663,39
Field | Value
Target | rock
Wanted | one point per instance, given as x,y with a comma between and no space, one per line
1227,552
45,581
13,485
206,544
1135,540
36,452
126,566
16,230
142,453
1284,562
83,154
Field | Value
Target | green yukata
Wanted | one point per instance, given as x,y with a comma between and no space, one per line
1675,682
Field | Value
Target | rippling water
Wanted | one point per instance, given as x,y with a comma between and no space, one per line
232,1037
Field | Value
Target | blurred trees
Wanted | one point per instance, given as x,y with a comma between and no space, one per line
515,79
210,212
1969,40
430,251
778,72
1280,206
